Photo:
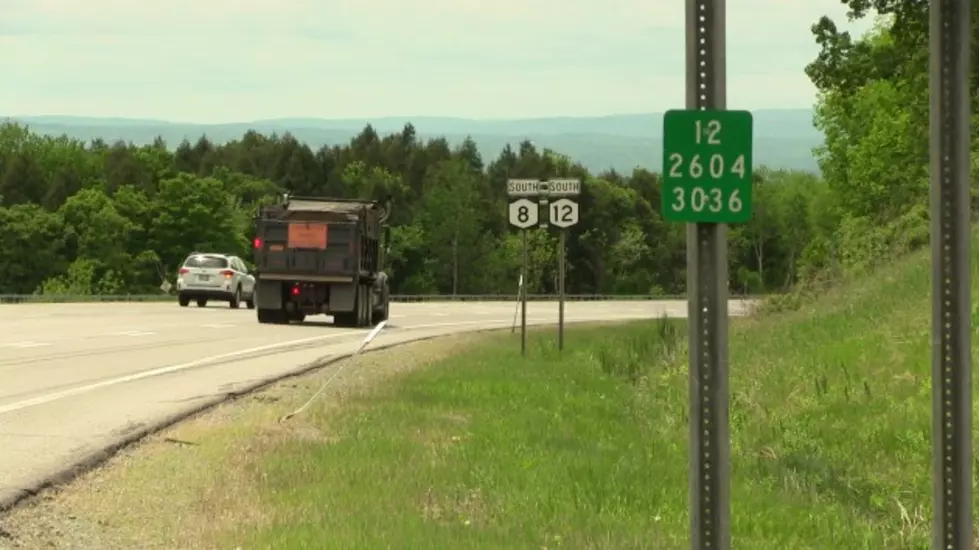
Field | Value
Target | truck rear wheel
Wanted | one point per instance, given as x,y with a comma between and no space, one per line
364,301
361,315
271,315
343,319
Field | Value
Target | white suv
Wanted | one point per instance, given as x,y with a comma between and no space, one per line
205,276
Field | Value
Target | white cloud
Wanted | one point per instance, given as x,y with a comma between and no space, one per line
246,59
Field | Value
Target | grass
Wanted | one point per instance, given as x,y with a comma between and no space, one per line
491,450
586,448
830,440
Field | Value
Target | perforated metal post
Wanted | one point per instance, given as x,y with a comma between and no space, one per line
707,308
951,290
523,295
560,308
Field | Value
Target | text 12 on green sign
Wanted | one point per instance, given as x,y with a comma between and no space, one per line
707,166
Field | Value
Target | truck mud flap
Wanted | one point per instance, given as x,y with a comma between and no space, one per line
268,294
342,297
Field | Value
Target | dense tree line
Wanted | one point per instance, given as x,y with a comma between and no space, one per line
85,218
874,111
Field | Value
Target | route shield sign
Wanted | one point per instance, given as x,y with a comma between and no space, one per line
707,166
564,213
524,213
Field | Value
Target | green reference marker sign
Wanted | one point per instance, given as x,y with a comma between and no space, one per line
707,166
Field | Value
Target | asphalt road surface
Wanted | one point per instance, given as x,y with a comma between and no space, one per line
76,379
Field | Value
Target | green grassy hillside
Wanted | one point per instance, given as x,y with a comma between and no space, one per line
831,411
830,415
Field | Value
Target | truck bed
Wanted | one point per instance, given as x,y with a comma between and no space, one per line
315,249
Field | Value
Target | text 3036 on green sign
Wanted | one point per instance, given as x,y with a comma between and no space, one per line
707,166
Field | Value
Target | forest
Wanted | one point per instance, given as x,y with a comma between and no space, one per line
116,218
101,218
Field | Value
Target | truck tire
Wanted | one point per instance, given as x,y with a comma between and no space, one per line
361,315
266,316
343,319
359,307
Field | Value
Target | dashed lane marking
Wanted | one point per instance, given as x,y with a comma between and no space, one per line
25,345
132,333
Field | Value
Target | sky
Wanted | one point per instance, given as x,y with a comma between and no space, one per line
211,61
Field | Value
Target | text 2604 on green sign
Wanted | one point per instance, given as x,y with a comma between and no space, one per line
707,166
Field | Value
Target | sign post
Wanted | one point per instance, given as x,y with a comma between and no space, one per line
516,307
523,215
707,163
563,213
951,292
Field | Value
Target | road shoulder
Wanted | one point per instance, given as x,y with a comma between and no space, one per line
131,501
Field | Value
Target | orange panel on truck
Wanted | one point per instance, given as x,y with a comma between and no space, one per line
307,235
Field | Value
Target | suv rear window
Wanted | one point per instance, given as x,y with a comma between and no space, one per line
206,261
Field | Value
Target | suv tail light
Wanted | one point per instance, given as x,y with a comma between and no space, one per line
183,271
257,242
295,289
227,273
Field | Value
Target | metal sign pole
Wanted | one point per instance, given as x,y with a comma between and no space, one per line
516,305
523,297
523,214
562,214
707,304
951,285
560,307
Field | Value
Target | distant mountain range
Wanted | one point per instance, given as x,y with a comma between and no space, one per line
783,138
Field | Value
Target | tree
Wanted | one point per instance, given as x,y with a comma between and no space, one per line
451,219
119,217
195,214
31,247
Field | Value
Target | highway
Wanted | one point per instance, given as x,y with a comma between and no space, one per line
77,379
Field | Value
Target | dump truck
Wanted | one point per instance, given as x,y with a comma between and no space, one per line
322,256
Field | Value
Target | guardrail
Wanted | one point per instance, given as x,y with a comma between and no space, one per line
402,298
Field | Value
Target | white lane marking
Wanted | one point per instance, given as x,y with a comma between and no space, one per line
132,333
25,345
440,314
40,400
218,326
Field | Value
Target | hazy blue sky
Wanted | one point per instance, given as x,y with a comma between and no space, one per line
234,60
